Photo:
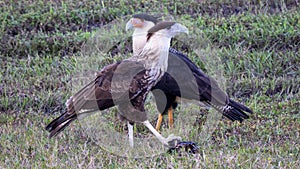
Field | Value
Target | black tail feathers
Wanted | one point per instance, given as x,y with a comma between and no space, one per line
60,123
234,111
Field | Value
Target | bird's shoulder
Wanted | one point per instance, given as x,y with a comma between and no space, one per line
122,77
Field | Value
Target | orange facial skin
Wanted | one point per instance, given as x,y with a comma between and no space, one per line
137,23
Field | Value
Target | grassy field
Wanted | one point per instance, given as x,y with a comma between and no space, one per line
257,42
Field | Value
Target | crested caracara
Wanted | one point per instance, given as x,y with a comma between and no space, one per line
126,84
177,81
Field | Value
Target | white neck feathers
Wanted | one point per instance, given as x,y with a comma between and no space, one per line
139,37
155,52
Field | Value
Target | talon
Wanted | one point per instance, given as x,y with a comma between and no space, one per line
172,140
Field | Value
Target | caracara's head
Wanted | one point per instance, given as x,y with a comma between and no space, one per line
140,23
158,42
167,29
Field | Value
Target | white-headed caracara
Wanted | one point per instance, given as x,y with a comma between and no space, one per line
126,83
178,80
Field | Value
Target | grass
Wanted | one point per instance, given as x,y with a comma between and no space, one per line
257,43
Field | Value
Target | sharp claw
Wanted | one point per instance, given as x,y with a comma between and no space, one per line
172,141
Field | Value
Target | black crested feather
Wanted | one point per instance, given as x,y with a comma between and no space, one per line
146,17
159,26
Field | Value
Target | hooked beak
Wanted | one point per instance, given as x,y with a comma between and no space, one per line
134,23
182,29
185,30
178,28
129,25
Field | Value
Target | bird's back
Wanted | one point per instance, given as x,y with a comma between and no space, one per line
184,79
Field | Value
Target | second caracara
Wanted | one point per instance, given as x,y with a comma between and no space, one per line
126,83
183,79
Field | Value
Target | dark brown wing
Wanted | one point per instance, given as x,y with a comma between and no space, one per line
130,85
92,97
112,83
96,95
123,83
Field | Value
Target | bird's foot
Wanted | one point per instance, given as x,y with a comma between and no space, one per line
189,146
172,141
